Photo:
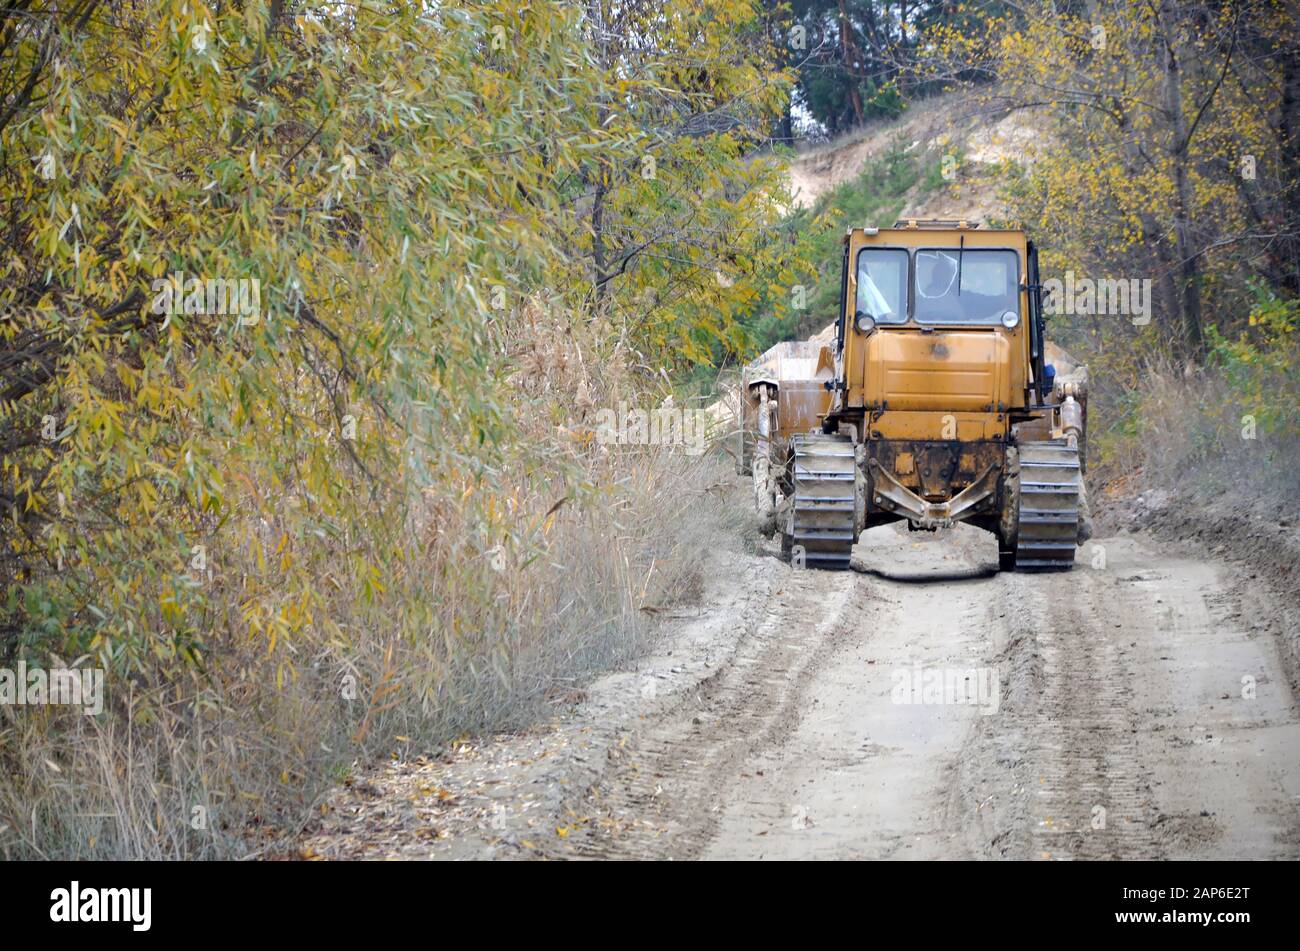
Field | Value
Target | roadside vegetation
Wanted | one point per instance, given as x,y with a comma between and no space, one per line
1231,429
368,504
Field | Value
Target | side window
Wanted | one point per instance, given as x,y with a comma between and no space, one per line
882,285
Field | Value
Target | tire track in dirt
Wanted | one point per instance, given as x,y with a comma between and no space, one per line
1120,676
797,748
864,775
1090,792
661,793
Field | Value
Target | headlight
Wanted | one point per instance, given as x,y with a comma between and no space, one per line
866,323
1010,318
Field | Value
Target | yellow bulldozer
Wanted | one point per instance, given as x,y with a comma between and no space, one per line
931,400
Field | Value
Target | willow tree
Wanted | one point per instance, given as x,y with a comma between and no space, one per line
676,204
395,178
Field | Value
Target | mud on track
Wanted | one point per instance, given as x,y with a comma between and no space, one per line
1139,711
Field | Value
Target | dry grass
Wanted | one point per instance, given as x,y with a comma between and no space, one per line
1203,434
451,652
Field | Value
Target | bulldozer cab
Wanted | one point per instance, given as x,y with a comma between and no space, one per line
955,313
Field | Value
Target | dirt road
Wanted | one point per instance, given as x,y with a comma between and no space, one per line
922,705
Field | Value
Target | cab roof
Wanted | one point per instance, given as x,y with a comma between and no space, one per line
917,232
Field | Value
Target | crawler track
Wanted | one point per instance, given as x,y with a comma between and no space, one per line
1049,506
822,529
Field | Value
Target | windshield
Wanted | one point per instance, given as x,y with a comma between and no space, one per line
989,286
882,285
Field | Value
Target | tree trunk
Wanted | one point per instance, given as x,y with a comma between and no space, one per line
1288,133
598,262
847,50
1189,266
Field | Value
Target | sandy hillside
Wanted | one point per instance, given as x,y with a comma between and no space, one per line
943,125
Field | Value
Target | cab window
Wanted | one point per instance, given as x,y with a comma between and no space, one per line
988,287
882,285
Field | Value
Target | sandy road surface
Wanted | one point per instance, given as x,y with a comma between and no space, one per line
1131,708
